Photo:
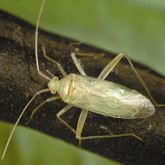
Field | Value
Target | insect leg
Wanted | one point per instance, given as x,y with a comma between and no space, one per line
19,118
40,105
110,66
61,112
84,113
77,63
90,54
54,62
80,125
111,136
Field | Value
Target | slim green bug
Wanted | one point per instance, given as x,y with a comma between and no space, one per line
91,94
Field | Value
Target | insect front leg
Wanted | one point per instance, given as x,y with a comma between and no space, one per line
61,112
54,62
40,105
43,49
112,64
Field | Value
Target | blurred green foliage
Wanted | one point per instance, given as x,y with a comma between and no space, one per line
134,26
29,147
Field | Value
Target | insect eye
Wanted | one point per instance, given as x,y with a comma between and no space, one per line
53,91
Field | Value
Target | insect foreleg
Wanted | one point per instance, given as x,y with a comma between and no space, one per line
40,105
54,62
110,66
61,112
19,118
80,124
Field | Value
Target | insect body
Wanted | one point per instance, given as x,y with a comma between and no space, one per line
102,97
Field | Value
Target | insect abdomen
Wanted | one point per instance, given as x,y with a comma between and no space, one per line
104,97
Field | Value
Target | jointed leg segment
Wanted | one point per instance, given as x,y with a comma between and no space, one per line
106,71
77,64
54,62
111,136
61,112
41,105
77,61
80,124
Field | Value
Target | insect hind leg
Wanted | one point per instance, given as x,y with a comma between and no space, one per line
111,136
112,64
80,126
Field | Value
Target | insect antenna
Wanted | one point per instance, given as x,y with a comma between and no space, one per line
36,41
19,118
37,93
